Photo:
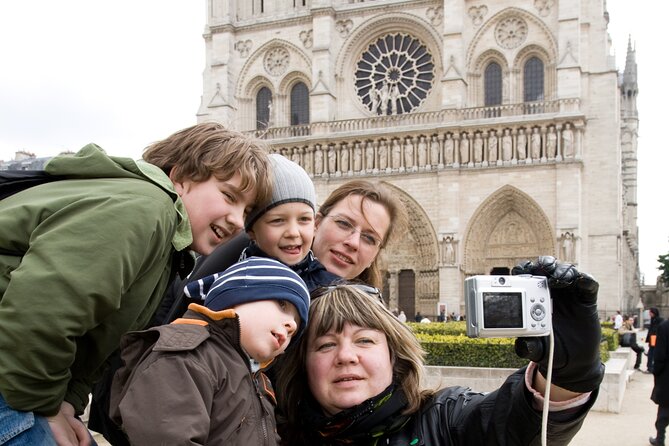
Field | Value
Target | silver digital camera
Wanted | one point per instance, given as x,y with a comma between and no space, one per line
507,306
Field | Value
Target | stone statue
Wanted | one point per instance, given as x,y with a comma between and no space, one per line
318,160
478,148
567,247
369,155
343,158
448,150
507,145
383,97
551,143
522,144
492,147
567,142
422,151
434,150
295,157
332,159
374,100
394,96
408,152
383,155
357,157
396,153
448,250
464,148
535,144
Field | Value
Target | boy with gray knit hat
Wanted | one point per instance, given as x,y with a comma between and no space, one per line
283,228
190,382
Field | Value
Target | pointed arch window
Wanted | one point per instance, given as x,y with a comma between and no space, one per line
493,84
533,80
299,104
263,108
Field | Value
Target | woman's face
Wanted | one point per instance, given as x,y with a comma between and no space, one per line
344,369
349,238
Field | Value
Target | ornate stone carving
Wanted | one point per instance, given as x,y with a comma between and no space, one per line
344,27
511,32
244,47
567,240
543,6
477,13
447,249
276,60
435,15
307,38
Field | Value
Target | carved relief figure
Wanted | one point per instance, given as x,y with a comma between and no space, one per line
448,149
535,141
551,143
357,157
422,151
522,144
464,148
295,157
408,152
448,250
478,148
492,147
567,247
434,150
507,145
568,142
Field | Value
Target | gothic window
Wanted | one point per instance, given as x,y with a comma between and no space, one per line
394,75
263,108
299,104
493,84
533,80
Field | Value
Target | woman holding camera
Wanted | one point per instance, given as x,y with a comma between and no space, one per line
355,378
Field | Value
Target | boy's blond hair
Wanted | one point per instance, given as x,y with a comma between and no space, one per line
198,152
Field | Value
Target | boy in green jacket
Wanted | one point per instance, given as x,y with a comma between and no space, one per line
85,259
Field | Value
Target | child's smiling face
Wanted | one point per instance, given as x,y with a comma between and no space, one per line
285,232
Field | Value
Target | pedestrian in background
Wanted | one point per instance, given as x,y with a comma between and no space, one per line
660,395
651,337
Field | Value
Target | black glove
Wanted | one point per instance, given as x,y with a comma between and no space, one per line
576,362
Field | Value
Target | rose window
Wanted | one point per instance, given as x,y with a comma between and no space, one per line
394,75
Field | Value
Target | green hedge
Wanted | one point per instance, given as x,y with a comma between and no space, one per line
446,344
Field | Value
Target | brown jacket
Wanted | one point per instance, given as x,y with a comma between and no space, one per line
190,383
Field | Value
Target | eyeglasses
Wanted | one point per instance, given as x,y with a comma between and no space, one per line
367,289
349,229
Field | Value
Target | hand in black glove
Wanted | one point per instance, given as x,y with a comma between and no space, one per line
576,363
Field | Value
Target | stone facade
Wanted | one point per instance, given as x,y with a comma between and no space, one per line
399,93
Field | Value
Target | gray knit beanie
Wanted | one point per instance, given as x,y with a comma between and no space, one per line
291,185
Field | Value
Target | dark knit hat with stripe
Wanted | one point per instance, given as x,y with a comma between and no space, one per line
291,185
251,280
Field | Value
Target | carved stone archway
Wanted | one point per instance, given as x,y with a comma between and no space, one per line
508,227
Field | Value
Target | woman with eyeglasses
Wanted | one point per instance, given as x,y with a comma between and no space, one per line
355,378
352,226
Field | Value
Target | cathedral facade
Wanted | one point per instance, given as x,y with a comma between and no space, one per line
504,127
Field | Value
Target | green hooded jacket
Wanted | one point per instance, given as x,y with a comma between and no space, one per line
82,261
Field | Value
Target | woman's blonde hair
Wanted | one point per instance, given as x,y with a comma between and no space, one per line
331,308
209,149
377,193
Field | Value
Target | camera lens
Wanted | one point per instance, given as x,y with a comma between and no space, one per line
502,280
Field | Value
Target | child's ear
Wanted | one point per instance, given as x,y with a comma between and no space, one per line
178,185
251,233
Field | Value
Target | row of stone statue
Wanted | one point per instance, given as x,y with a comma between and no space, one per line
448,248
413,153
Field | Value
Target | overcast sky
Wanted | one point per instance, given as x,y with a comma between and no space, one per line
125,73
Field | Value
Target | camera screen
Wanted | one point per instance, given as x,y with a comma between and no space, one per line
502,310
